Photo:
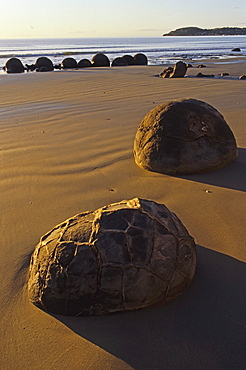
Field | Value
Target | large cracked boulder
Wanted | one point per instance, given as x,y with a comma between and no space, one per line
124,256
186,136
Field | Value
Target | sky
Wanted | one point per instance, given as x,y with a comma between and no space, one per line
114,18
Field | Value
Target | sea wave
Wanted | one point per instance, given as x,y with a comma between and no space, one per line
158,50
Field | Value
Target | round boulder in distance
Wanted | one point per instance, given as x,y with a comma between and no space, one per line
44,64
129,59
186,136
84,63
68,63
140,59
14,65
100,60
119,62
124,256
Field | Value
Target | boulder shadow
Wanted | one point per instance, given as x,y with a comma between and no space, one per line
231,177
203,329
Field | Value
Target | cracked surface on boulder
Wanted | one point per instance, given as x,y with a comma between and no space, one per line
184,136
124,256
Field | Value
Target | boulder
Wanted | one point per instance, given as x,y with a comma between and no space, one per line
30,67
100,60
203,75
140,59
186,136
119,62
128,59
14,65
179,70
122,257
236,49
166,72
69,63
44,63
84,63
243,77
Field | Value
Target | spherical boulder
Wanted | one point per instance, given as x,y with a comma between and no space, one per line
100,60
84,63
119,62
128,59
124,256
44,64
68,63
14,65
186,136
140,59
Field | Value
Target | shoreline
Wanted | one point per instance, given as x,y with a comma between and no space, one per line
228,60
66,147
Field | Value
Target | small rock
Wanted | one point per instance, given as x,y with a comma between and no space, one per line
202,75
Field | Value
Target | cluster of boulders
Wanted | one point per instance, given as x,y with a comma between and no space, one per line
44,64
180,68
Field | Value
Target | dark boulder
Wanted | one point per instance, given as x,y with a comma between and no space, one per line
84,63
100,60
140,59
179,70
57,66
43,69
44,62
14,65
243,77
203,75
128,59
236,49
68,63
30,67
186,136
119,62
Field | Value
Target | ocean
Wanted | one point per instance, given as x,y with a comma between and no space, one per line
159,50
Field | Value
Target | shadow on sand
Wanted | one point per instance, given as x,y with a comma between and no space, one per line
231,177
203,329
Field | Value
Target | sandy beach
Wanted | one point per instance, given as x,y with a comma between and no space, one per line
66,147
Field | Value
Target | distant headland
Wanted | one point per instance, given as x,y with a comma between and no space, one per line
196,31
